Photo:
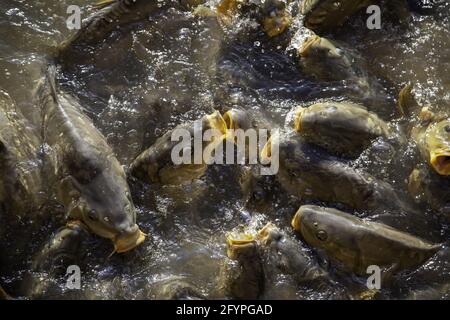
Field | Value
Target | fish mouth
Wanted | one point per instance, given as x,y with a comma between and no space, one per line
229,118
216,121
296,221
298,119
308,45
440,161
129,240
239,239
236,119
240,243
266,153
265,235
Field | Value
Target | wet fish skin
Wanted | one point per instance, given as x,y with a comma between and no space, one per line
340,127
89,180
324,15
310,172
113,16
65,248
329,60
357,244
258,259
176,288
426,186
281,253
242,276
155,164
433,141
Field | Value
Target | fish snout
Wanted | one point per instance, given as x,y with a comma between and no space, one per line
296,220
129,238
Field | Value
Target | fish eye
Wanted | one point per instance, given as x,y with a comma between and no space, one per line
447,128
92,215
322,235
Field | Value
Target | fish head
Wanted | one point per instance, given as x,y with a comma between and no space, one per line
269,234
241,245
438,142
325,59
319,228
103,200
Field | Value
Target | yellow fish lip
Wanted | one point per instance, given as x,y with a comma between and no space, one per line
307,45
129,241
298,119
264,232
296,222
440,161
239,239
216,121
266,153
240,243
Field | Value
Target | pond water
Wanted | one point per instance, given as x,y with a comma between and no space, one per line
145,79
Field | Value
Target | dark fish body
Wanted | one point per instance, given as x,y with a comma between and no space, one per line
310,172
357,244
242,276
328,14
259,259
156,165
433,140
114,15
281,254
339,127
88,179
427,186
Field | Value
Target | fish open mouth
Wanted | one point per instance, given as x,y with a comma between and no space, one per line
440,161
237,239
266,234
240,243
308,45
217,122
266,153
129,241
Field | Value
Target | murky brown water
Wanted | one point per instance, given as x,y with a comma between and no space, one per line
175,68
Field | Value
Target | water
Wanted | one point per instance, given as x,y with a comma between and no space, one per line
174,68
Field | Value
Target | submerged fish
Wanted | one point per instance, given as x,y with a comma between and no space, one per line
310,172
258,258
89,181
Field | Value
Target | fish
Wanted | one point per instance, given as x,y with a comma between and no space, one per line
355,244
